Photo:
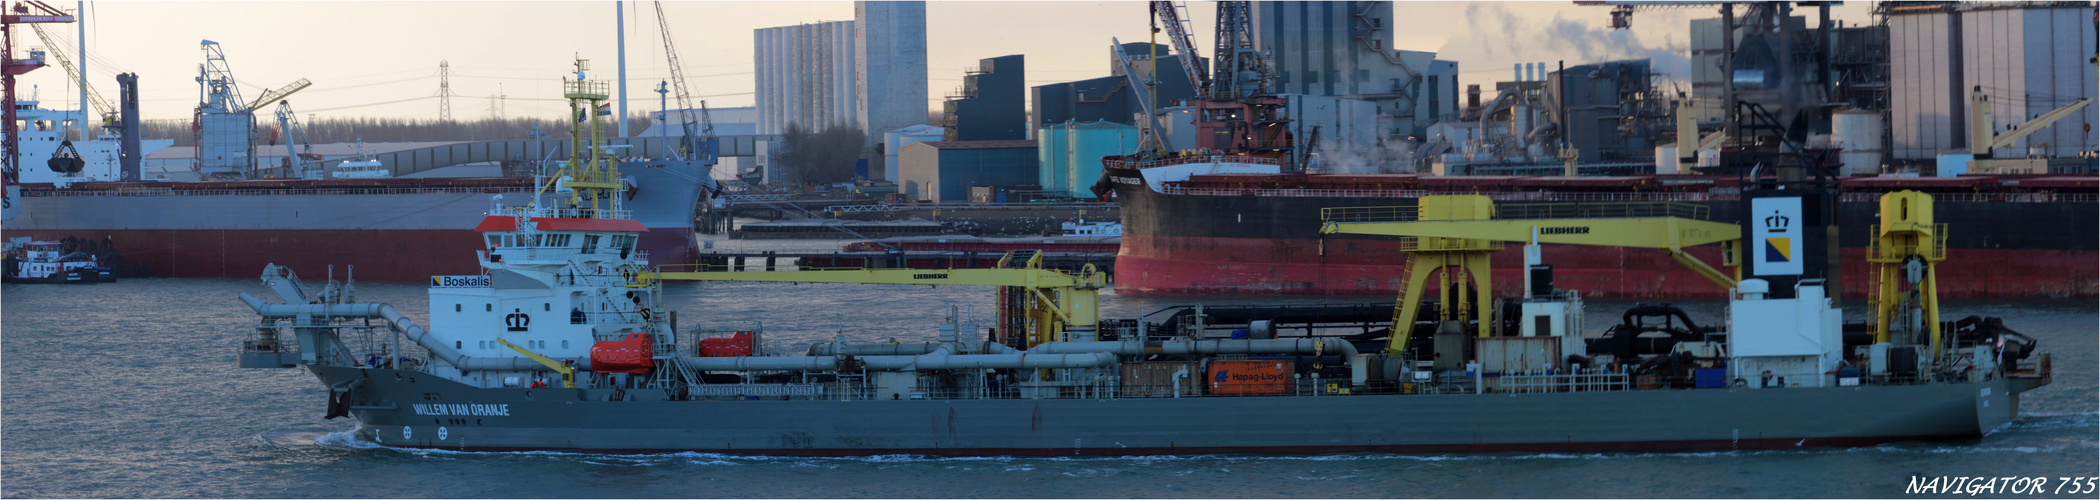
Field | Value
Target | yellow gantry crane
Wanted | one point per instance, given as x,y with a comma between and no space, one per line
1460,231
1061,302
1907,247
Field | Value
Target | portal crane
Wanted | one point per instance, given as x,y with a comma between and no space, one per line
1059,304
22,12
1462,230
699,138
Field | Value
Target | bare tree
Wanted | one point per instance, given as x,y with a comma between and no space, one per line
825,156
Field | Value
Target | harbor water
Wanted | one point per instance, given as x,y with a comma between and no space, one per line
130,390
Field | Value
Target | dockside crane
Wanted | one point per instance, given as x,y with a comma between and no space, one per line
21,12
1178,33
297,149
699,139
108,111
1983,133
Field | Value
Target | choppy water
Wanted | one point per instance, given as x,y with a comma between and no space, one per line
130,390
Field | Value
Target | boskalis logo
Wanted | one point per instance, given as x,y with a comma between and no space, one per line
1778,248
474,281
516,321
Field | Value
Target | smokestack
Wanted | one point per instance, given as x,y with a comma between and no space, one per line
128,107
1519,70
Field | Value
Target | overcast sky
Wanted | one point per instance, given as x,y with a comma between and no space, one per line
381,58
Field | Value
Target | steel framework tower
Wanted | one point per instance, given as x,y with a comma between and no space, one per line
444,90
1239,67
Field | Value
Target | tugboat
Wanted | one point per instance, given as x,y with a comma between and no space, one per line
561,342
48,262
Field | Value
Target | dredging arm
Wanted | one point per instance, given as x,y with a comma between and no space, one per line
1069,302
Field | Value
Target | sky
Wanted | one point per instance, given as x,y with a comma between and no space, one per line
381,59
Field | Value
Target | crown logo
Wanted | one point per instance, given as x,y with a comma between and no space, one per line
1776,223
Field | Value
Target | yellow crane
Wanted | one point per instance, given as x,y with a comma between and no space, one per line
1058,302
1907,247
1460,231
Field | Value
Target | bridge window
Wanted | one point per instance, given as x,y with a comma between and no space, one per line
590,243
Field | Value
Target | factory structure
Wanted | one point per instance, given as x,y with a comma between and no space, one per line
1900,94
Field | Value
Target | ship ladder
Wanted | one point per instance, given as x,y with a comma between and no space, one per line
1397,337
685,372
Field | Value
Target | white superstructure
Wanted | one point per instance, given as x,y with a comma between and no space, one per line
44,129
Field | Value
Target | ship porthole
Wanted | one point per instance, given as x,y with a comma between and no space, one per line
397,376
528,394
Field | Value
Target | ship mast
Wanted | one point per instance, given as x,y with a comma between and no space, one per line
592,188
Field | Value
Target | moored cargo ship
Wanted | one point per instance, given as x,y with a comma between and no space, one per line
1238,224
228,228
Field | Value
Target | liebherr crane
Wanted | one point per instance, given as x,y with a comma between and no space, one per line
1462,230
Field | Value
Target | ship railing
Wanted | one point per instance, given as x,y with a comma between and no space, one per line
272,192
1298,193
1370,214
1989,197
560,213
1189,159
1557,382
1604,210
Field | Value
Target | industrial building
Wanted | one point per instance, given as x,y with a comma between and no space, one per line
943,171
1071,152
889,47
991,104
1611,112
2029,58
1345,49
806,75
896,139
1108,98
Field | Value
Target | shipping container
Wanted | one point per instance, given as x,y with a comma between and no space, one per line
1251,377
1161,379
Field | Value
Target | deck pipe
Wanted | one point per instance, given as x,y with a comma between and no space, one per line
1333,346
937,360
408,329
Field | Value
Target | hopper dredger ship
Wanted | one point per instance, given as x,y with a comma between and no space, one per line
561,342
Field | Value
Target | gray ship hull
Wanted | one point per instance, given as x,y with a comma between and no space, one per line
454,416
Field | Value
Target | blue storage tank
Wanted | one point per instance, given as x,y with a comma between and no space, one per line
1051,153
1087,144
